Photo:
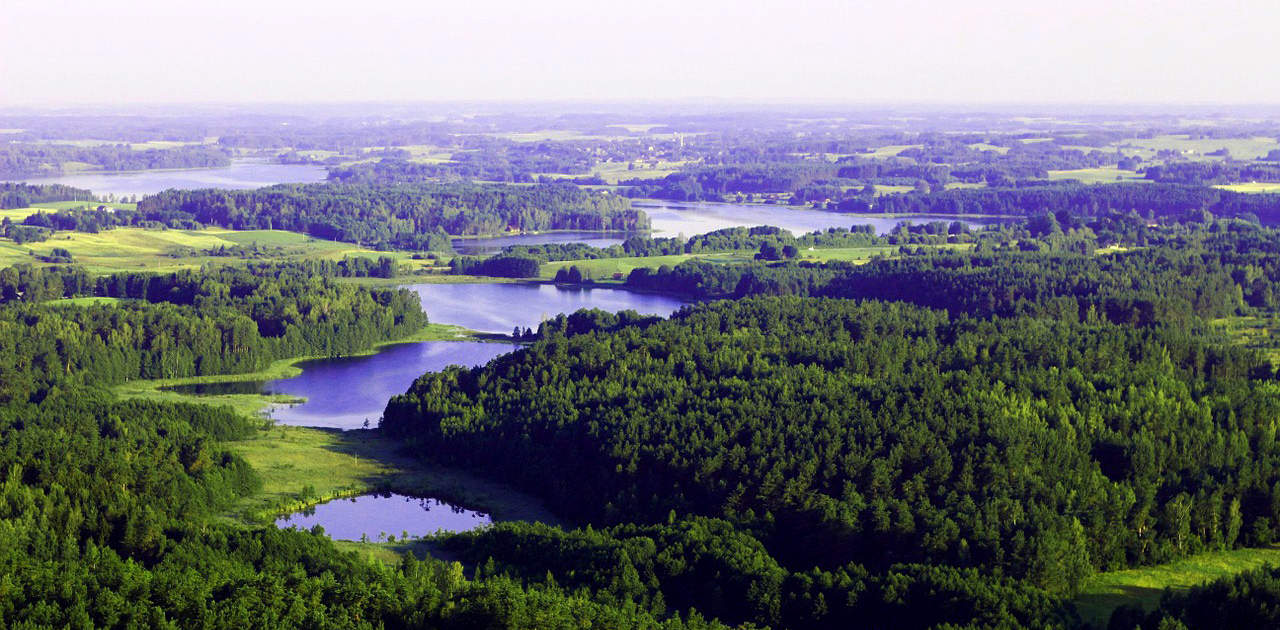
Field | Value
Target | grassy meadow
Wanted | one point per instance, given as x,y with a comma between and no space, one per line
1103,175
1143,586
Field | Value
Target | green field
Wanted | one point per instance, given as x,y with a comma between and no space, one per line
1252,187
604,269
1103,175
1104,592
302,466
1240,148
86,301
613,172
1257,333
891,150
138,249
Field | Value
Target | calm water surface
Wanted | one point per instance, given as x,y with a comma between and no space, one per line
670,218
376,515
501,307
243,173
343,393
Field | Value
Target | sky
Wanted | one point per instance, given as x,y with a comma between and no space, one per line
122,52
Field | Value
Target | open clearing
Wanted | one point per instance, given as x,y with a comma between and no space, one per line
138,249
1252,187
1104,592
1103,175
1240,148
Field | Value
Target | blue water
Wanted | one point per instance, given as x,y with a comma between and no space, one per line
671,218
344,393
243,173
501,307
376,516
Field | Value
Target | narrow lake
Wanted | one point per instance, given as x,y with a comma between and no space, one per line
343,393
375,516
672,218
243,173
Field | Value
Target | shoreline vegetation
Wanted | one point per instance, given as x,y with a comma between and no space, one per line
302,467
256,404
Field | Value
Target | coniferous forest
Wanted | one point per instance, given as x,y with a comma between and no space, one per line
996,372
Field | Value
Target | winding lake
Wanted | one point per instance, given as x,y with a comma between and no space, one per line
672,218
375,515
243,173
343,393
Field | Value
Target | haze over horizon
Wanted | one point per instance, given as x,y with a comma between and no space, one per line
73,52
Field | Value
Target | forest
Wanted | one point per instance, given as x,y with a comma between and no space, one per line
406,217
223,321
963,429
15,195
37,160
110,508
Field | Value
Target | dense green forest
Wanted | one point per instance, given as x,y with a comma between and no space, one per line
14,195
218,321
106,510
1066,413
1249,600
409,217
107,507
959,433
36,160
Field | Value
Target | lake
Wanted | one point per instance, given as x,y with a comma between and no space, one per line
671,218
375,515
243,173
343,393
499,308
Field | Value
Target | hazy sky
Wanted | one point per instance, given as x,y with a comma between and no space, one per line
983,51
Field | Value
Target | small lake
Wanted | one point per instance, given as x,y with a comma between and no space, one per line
499,308
377,515
243,173
671,218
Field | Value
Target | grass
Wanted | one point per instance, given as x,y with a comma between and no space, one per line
1103,592
849,254
138,249
1252,187
603,269
1103,175
1257,333
87,301
891,150
1240,148
302,466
